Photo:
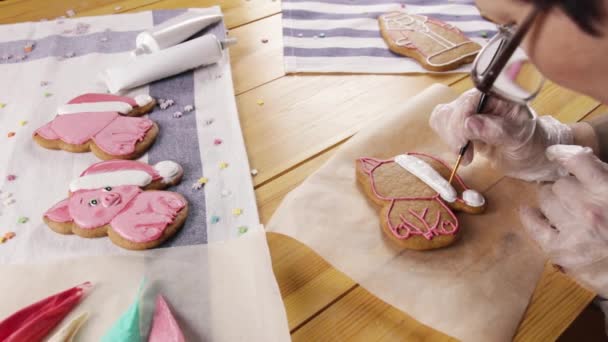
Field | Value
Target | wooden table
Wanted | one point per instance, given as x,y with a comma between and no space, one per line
304,120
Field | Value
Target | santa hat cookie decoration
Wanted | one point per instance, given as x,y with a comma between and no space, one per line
127,172
109,199
108,125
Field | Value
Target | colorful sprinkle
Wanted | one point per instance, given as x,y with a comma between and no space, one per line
217,141
48,94
6,195
22,220
2,239
215,219
2,105
223,165
197,186
177,115
28,47
264,40
203,180
22,123
237,211
188,108
11,178
226,193
9,235
11,134
484,34
8,201
44,83
260,102
254,172
322,35
243,230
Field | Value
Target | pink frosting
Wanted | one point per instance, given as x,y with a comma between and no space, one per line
146,218
90,98
411,222
59,212
164,325
114,134
120,165
122,134
95,208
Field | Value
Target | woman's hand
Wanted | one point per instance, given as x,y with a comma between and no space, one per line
571,225
504,133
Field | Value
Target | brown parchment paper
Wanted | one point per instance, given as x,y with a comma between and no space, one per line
474,290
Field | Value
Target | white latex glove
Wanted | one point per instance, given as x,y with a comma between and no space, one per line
504,133
572,223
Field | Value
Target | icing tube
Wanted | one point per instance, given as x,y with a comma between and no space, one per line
69,331
164,326
148,68
173,31
34,322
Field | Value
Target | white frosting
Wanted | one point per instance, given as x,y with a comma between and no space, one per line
168,170
473,198
428,175
143,99
93,107
69,331
115,178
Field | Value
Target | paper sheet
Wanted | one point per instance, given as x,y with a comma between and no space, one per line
474,290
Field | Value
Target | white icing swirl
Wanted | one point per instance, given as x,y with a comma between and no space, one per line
473,198
428,175
143,99
168,170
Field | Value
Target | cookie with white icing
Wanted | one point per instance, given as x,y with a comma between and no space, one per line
109,198
108,125
416,201
436,45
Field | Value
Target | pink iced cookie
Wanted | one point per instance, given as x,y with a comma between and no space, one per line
105,124
108,199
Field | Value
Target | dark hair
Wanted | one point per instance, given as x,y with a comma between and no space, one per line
585,13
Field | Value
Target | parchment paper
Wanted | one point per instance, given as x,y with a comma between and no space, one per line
474,290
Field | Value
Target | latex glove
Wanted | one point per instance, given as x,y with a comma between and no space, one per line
572,223
505,134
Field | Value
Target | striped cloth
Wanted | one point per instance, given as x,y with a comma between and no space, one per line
344,35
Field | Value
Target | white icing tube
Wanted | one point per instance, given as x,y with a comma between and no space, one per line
428,175
173,31
148,68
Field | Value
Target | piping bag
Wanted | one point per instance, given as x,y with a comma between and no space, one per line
205,50
173,31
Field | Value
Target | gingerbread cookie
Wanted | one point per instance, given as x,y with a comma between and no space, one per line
416,200
436,45
109,199
105,124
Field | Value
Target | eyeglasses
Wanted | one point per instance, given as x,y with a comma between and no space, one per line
502,70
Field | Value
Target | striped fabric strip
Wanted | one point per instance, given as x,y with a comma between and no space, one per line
344,35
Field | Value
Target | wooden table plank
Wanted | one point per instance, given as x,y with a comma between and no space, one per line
236,12
306,115
253,62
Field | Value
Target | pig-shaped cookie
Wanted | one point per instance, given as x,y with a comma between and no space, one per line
109,199
105,124
416,200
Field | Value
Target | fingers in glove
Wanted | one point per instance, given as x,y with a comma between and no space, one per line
551,207
489,129
571,194
589,170
537,226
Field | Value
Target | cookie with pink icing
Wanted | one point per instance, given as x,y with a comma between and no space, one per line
416,201
108,125
109,198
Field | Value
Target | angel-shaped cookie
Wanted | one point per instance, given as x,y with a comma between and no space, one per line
416,200
436,45
105,124
109,199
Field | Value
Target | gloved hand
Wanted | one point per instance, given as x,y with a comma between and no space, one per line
505,134
572,223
